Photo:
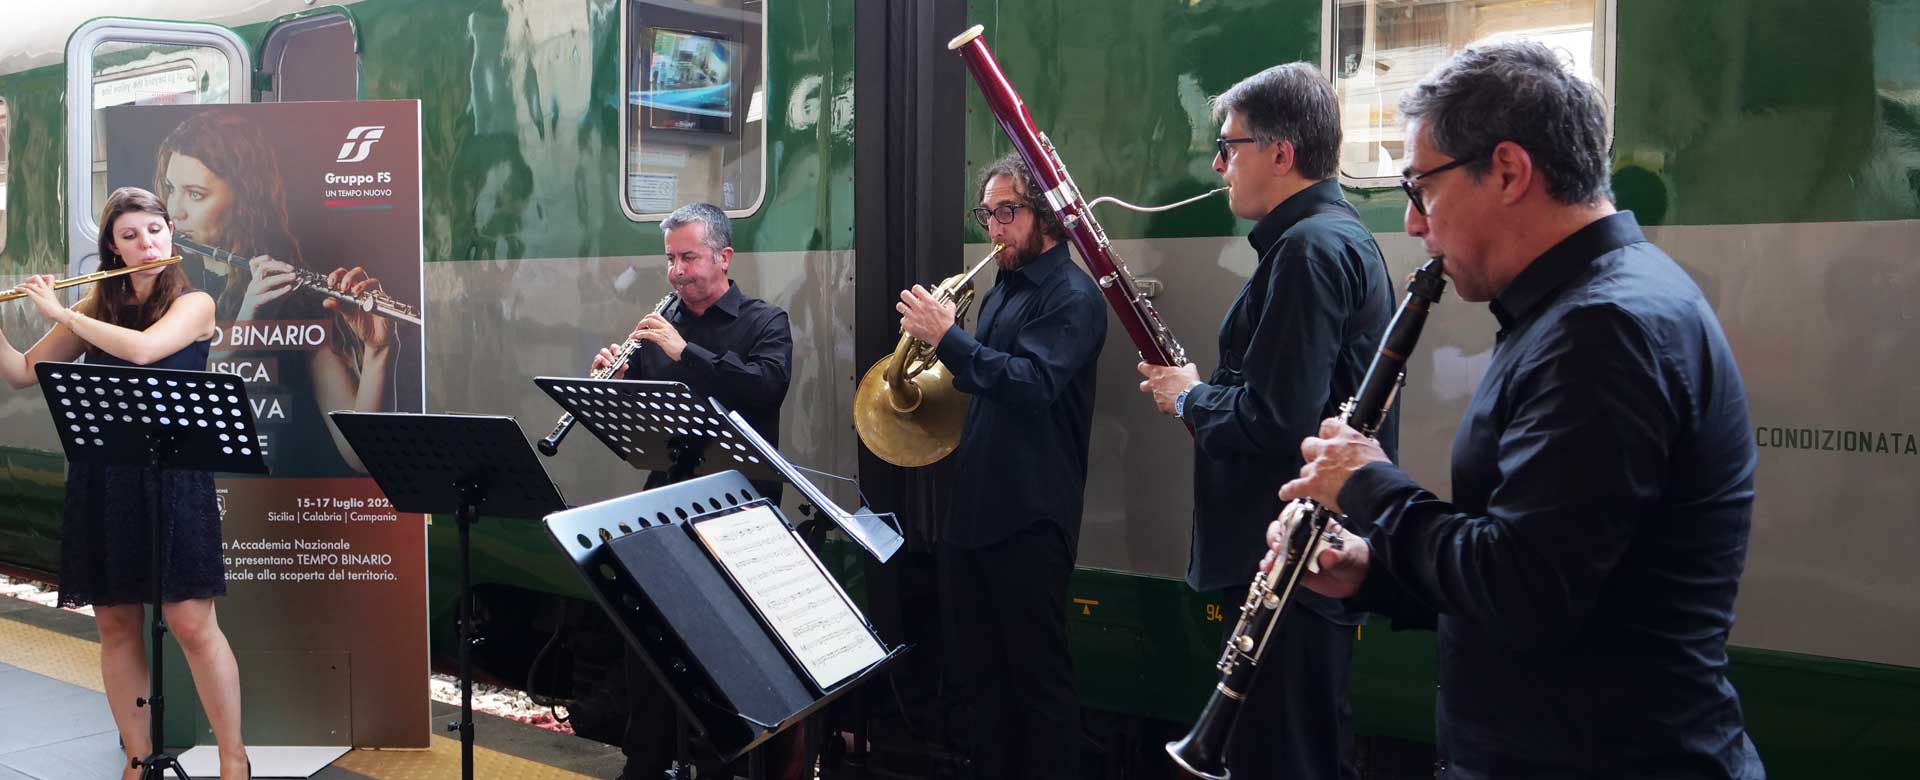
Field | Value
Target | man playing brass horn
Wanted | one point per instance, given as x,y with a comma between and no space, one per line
1008,545
1293,347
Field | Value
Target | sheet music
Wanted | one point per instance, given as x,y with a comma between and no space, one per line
806,610
868,530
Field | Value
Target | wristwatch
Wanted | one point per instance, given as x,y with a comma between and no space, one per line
1180,402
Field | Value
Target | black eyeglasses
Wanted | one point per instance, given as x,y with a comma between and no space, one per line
1413,192
1004,213
1225,145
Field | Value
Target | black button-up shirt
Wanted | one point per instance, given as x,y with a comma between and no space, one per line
1030,368
739,352
1584,574
1293,347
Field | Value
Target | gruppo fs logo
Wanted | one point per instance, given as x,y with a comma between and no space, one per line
359,143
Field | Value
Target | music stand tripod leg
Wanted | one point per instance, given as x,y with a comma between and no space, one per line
465,517
157,761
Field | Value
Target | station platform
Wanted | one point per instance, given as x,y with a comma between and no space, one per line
54,723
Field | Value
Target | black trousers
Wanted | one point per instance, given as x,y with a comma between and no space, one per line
1296,722
1009,681
651,730
651,727
649,741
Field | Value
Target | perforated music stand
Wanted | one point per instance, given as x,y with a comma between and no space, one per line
464,464
725,673
160,419
663,426
658,426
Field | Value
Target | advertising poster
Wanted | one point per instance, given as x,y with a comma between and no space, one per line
303,222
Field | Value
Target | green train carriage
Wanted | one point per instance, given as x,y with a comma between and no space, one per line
1772,146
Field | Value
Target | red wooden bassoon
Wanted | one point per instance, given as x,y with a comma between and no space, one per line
1149,334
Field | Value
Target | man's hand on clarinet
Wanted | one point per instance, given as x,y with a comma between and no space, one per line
1342,569
1331,458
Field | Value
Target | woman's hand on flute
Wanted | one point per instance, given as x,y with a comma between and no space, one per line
39,288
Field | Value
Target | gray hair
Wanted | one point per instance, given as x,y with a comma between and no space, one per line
719,233
1517,92
1291,102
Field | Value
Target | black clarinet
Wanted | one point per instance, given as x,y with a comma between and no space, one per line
1202,752
551,445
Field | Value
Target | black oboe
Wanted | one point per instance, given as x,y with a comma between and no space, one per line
551,445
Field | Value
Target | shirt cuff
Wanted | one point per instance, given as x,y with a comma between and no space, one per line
955,347
1367,494
1200,396
698,358
1378,593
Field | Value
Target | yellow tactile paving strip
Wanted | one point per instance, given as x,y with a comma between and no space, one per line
53,654
443,761
77,661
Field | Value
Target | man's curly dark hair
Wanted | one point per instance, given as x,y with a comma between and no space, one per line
1012,166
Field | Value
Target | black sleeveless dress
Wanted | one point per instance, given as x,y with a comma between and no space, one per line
105,552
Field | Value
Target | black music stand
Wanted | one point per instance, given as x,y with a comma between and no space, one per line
654,426
666,427
659,426
726,673
663,426
160,419
428,463
867,529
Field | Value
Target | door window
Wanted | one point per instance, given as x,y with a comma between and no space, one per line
693,122
118,62
311,58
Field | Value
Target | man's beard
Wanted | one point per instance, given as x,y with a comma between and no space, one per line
1015,256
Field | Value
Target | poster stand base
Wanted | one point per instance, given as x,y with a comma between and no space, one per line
268,761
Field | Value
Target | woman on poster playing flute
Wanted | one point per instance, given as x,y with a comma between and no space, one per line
220,175
153,318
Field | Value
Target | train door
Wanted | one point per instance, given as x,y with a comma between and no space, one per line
115,61
314,55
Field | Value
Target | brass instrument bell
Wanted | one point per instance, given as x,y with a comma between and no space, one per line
906,409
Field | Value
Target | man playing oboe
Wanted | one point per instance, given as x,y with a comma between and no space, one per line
727,346
1583,575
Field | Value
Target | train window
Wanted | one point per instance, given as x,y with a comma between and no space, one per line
693,117
1377,49
4,124
119,62
310,58
146,74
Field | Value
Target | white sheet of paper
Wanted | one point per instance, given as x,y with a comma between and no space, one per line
805,608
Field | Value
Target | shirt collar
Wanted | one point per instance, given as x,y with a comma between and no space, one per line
1038,269
1553,268
729,302
1296,207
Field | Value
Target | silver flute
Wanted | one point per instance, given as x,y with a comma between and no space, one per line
373,301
